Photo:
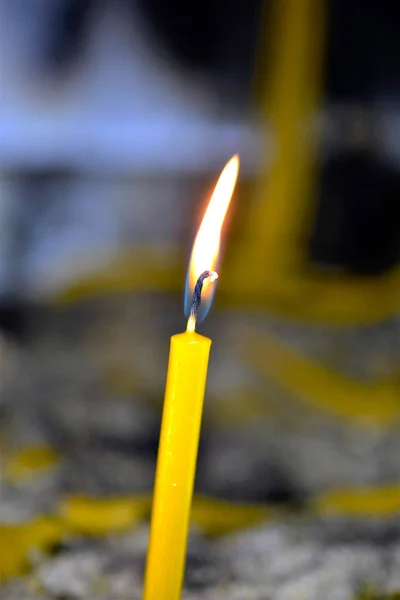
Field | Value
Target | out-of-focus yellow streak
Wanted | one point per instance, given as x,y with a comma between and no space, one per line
382,501
292,88
313,383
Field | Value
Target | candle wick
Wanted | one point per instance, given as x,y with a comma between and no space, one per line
196,300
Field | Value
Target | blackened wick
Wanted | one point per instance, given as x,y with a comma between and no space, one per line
196,300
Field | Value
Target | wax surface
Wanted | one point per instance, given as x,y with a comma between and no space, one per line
176,465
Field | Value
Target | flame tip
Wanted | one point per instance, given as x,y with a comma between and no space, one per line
235,160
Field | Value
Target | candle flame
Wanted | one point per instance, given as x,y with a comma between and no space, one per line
205,252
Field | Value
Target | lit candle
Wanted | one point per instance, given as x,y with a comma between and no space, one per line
183,407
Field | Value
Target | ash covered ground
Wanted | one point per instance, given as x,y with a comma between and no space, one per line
293,499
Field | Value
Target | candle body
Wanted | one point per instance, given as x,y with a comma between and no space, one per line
176,465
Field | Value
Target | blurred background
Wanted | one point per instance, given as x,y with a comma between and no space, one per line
116,118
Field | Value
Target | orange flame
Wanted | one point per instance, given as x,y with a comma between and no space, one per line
206,245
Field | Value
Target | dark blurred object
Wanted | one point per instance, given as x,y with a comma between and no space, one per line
193,32
197,34
357,224
68,31
357,227
211,37
14,318
363,50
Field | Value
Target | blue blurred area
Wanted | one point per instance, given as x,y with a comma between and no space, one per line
117,116
108,111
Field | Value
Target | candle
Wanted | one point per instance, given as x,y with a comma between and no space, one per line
183,407
270,263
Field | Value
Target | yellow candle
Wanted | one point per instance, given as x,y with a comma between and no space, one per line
183,407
